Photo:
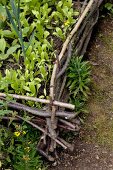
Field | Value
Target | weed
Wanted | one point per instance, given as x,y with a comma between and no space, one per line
109,7
78,82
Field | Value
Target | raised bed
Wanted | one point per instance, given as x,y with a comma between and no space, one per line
56,116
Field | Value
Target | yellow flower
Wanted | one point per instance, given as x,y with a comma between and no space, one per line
17,134
26,157
66,23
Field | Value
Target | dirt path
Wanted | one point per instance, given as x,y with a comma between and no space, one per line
94,147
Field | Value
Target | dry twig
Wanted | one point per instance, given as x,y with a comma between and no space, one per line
28,98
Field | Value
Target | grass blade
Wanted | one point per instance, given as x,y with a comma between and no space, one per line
12,2
11,21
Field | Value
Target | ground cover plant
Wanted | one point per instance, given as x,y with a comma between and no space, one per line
30,54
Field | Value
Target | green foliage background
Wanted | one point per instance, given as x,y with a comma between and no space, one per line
27,43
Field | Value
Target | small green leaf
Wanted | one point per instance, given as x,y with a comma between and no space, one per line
2,45
26,88
11,50
4,112
2,14
3,56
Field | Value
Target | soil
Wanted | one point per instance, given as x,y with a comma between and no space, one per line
94,146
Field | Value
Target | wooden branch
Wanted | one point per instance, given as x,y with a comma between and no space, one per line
84,5
100,2
49,157
52,132
66,128
86,20
83,51
41,122
62,87
83,43
62,71
68,123
69,146
41,113
56,103
49,126
42,130
77,25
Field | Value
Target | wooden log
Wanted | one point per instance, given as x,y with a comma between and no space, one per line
41,113
56,103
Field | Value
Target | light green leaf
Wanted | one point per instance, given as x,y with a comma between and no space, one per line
2,14
2,45
32,87
3,56
45,92
11,50
26,88
4,112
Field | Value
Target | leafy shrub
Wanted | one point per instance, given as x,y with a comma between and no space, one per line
18,148
78,82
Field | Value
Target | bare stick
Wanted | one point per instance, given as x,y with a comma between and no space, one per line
41,113
10,118
38,121
52,132
100,2
69,146
66,128
50,158
67,123
62,87
84,5
57,103
83,43
67,61
86,43
42,122
42,130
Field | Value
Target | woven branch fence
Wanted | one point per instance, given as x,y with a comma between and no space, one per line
50,120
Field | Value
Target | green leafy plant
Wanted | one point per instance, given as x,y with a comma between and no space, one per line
78,82
18,148
109,7
32,50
